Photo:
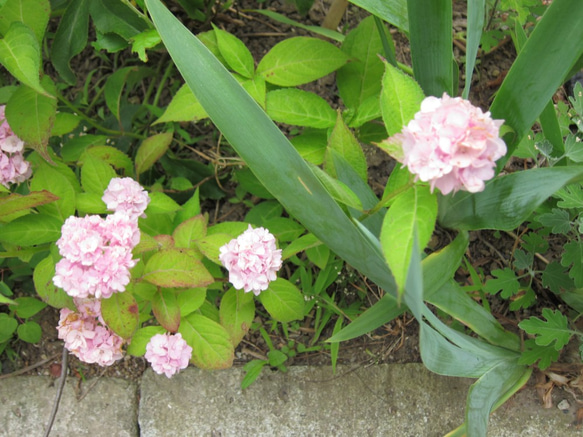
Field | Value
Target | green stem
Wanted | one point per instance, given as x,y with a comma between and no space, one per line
386,199
165,77
95,125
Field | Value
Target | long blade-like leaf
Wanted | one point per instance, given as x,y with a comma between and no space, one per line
430,23
476,11
540,68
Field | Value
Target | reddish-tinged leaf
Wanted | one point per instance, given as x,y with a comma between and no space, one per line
121,314
17,202
166,310
176,268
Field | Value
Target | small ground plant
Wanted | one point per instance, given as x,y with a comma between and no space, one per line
104,209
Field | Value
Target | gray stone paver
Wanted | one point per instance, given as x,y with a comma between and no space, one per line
109,408
380,400
385,400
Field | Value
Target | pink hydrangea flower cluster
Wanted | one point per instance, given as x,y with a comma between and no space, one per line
168,353
252,260
97,255
451,144
86,335
14,169
126,196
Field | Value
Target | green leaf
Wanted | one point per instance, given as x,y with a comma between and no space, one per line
300,108
95,174
556,278
121,314
284,229
20,54
416,208
188,231
211,244
8,326
31,116
65,123
190,300
31,229
43,283
550,52
191,208
252,371
145,40
210,342
237,311
476,13
114,87
15,202
255,87
401,99
514,197
30,332
573,148
337,189
183,107
573,256
161,203
394,12
70,38
299,60
558,220
505,281
235,52
343,142
27,307
311,145
34,13
113,16
114,157
60,187
141,338
545,355
283,301
152,149
552,331
571,196
298,245
430,36
361,79
176,268
166,309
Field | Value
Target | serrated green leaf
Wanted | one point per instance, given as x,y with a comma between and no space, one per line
299,60
416,208
31,115
183,107
556,278
545,355
161,203
176,268
300,108
113,157
343,142
190,300
121,314
70,38
31,229
43,283
574,148
235,52
504,280
113,16
210,342
20,54
571,196
152,149
360,79
47,177
166,310
210,246
30,331
237,311
522,259
401,99
558,220
190,230
141,338
145,40
95,174
15,202
573,256
283,301
34,13
552,331
27,306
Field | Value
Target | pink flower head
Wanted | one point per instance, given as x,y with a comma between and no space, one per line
97,255
88,338
127,196
252,260
168,353
14,169
451,144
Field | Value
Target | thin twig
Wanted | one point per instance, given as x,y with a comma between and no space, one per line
94,383
59,392
29,368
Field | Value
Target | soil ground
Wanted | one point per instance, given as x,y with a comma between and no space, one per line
396,342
